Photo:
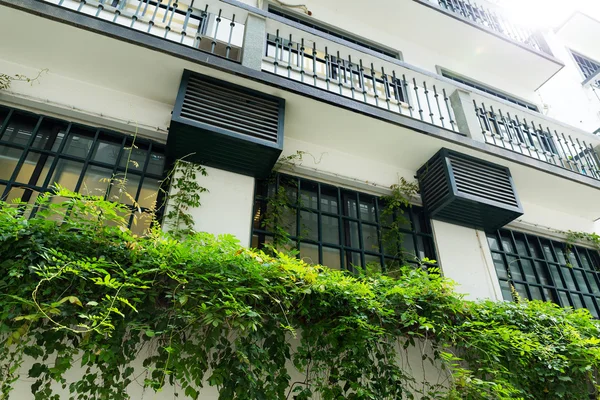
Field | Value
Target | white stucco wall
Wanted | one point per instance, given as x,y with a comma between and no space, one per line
227,206
465,257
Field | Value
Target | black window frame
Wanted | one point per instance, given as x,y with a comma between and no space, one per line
420,231
587,66
334,32
546,269
55,151
489,90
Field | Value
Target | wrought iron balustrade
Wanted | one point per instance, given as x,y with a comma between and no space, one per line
490,19
534,140
214,31
306,61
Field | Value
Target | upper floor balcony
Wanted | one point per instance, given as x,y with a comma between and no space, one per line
341,95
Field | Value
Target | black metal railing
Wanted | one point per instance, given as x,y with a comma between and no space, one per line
489,18
191,24
534,140
306,62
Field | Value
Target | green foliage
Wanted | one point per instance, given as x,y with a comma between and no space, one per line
7,80
80,291
184,195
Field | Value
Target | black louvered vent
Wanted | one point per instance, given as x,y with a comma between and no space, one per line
468,191
226,126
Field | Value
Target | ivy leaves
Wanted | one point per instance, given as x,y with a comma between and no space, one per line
198,310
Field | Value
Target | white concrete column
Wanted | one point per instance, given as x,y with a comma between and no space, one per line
464,112
227,206
255,36
465,257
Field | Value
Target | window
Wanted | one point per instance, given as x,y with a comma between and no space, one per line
544,269
333,32
588,67
490,90
340,228
37,152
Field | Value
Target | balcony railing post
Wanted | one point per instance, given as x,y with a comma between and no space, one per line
466,119
253,48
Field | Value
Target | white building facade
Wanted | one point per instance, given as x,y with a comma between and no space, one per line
368,93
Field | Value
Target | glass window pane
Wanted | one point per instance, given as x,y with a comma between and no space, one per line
506,292
149,193
367,209
309,225
534,248
585,262
37,164
329,199
67,173
47,133
308,195
528,269
564,299
330,229
556,276
593,283
590,304
133,159
577,302
97,182
420,220
507,243
500,267
513,266
583,287
9,157
351,234
107,151
560,254
493,242
572,259
309,253
542,273
156,165
79,143
521,246
550,296
548,251
141,223
566,272
536,293
349,204
353,260
370,238
20,128
425,247
332,258
521,290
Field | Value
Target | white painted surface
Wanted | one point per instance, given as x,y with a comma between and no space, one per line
227,207
465,257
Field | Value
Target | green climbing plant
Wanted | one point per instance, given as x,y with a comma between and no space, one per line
184,195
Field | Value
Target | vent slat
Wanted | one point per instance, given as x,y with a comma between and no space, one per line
223,125
233,109
229,94
207,112
479,195
214,121
194,99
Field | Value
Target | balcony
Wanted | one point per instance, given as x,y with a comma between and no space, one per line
376,114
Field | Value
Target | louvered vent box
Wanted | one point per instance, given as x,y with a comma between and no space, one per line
467,191
222,125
